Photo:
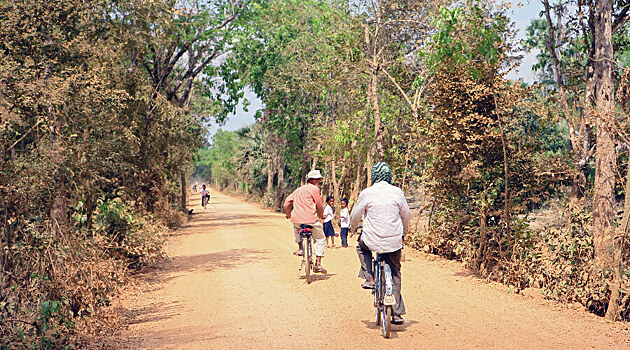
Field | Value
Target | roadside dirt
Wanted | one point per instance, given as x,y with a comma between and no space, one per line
232,283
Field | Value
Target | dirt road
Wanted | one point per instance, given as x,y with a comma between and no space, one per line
232,283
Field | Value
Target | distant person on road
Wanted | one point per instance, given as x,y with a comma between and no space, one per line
304,207
205,195
386,220
329,215
344,222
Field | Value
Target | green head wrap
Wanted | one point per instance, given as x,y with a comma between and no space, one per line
381,172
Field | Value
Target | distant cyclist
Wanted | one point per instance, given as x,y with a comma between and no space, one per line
304,206
386,220
205,195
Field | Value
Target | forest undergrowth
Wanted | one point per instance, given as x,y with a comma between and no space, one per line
550,252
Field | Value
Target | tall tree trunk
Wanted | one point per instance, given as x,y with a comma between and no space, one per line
342,188
335,183
270,162
315,158
280,190
270,174
583,154
613,310
603,201
379,151
182,171
356,187
368,149
578,132
404,179
184,190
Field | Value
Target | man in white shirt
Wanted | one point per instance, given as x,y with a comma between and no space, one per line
386,220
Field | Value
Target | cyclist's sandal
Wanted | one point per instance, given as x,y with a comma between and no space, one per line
368,285
319,269
396,319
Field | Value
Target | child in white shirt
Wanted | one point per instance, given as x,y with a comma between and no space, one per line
344,222
329,215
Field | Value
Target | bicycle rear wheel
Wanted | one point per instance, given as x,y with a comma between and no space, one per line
378,292
387,320
306,249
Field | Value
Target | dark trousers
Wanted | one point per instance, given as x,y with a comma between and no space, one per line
344,236
393,260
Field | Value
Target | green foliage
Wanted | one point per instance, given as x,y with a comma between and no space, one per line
482,46
218,163
481,124
299,57
91,153
235,160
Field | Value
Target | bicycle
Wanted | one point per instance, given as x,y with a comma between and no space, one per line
384,298
204,201
306,233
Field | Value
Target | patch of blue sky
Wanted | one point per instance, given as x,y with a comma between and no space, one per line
522,14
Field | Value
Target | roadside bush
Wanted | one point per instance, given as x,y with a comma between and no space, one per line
136,240
59,282
556,259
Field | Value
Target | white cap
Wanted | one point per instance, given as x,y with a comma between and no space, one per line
314,174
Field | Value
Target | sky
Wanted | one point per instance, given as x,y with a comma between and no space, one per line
522,13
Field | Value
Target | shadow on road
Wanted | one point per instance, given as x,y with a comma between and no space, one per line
395,328
200,222
176,338
318,277
201,228
225,260
152,313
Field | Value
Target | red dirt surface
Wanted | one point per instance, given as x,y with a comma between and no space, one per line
232,283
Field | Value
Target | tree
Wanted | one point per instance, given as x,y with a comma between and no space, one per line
177,49
393,32
604,186
83,163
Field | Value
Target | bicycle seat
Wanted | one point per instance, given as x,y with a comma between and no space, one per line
305,226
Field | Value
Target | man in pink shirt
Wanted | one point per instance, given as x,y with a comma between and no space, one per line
305,207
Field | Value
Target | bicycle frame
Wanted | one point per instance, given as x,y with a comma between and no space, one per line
383,292
383,296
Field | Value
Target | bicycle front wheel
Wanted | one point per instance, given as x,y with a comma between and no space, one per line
379,317
387,320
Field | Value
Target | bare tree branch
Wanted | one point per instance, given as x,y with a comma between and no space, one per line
621,19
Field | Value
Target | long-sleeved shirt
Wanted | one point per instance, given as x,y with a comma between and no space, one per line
386,217
307,204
